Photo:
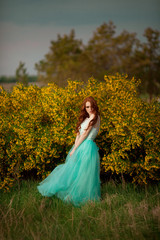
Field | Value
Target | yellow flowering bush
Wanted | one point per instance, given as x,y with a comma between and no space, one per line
37,128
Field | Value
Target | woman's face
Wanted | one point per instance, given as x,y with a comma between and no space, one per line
89,108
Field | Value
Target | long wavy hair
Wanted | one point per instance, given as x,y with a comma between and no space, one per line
84,114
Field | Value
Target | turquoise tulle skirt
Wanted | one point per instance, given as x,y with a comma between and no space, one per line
78,179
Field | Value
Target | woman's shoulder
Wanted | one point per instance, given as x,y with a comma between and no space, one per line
92,117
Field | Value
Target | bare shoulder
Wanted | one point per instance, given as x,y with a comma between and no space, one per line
91,117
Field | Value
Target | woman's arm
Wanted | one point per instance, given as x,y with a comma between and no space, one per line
80,139
77,137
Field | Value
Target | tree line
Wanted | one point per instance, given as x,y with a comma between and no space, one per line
105,53
19,77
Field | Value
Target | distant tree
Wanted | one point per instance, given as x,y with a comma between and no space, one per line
62,61
21,74
109,53
105,53
3,79
98,54
146,63
125,46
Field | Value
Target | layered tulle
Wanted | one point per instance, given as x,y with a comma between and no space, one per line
77,180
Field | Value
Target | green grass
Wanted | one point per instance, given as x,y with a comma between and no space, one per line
125,212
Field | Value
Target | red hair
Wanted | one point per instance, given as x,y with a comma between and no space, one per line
84,114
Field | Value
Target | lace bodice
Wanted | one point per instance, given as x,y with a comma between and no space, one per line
94,131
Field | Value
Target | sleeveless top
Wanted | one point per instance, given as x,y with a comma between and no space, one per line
94,130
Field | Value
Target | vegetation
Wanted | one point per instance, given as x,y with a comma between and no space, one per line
12,79
105,53
123,213
21,74
37,129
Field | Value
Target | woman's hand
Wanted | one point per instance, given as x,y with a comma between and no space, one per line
71,153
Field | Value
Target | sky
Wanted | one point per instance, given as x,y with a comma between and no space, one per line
27,27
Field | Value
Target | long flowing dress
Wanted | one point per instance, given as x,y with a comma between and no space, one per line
77,181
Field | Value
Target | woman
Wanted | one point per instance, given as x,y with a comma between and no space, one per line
78,179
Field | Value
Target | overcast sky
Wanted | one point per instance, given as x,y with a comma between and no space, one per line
28,26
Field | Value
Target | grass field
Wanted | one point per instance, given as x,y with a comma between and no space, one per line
125,212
